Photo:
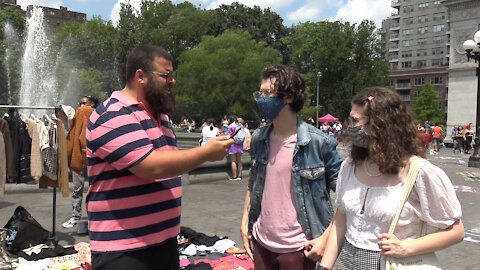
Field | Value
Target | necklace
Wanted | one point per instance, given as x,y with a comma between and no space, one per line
367,172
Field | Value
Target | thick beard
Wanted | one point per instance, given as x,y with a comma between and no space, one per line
158,97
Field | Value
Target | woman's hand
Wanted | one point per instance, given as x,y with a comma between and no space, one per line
390,245
315,248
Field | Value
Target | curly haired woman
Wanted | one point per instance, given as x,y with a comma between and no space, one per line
385,142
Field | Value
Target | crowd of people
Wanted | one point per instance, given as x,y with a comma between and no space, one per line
288,221
462,137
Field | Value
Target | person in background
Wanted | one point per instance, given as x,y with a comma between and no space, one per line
248,138
135,168
225,123
454,138
370,185
325,127
337,130
236,150
208,132
467,138
295,166
77,156
437,137
459,137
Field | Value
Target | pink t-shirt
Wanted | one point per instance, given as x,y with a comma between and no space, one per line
278,228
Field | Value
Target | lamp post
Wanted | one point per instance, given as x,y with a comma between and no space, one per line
472,47
319,75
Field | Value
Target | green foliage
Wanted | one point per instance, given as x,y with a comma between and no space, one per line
349,57
220,75
10,53
87,50
426,105
263,25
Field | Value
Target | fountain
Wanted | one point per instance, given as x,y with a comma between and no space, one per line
10,39
38,85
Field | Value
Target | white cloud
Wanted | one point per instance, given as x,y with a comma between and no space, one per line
355,11
43,3
115,14
307,12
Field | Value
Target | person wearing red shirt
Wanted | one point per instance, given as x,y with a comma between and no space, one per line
437,133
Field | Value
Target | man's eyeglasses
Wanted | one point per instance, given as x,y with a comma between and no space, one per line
170,75
264,93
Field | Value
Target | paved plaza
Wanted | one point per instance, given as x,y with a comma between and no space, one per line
215,208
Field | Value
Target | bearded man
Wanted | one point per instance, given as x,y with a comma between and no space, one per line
134,168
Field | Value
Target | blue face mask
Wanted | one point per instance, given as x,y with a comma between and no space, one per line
270,107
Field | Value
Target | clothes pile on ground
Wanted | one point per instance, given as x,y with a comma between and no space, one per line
201,252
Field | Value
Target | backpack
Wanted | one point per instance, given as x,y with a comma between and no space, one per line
240,137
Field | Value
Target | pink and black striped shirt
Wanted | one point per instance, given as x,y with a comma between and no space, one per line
127,212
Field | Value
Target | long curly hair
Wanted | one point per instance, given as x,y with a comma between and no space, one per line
393,134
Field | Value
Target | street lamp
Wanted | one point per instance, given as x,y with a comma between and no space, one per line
472,47
319,75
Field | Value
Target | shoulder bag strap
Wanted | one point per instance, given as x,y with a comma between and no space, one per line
415,167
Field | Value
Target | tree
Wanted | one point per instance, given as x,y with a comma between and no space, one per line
350,58
86,48
426,106
12,25
220,75
263,25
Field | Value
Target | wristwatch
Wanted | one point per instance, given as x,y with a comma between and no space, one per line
321,268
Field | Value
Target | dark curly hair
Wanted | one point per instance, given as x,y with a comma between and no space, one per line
393,134
288,83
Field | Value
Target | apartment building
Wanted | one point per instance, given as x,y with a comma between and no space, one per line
54,17
417,41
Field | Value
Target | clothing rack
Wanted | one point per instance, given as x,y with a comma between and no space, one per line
54,199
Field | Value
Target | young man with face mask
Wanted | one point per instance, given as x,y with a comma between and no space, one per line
294,167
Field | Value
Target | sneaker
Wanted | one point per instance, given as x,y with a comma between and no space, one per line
233,179
238,178
72,222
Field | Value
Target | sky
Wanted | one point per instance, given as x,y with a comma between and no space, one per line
292,11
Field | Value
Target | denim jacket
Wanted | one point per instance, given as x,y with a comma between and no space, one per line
315,168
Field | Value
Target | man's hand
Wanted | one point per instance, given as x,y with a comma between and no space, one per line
247,240
218,147
314,248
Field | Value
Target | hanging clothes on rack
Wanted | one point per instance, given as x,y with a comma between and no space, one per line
10,169
55,156
35,156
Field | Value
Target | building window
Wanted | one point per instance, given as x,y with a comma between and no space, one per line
419,81
423,30
439,93
422,52
408,21
423,18
415,93
423,5
436,3
438,39
421,63
407,9
437,51
407,64
407,43
422,41
436,80
407,54
437,62
439,16
407,32
438,27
